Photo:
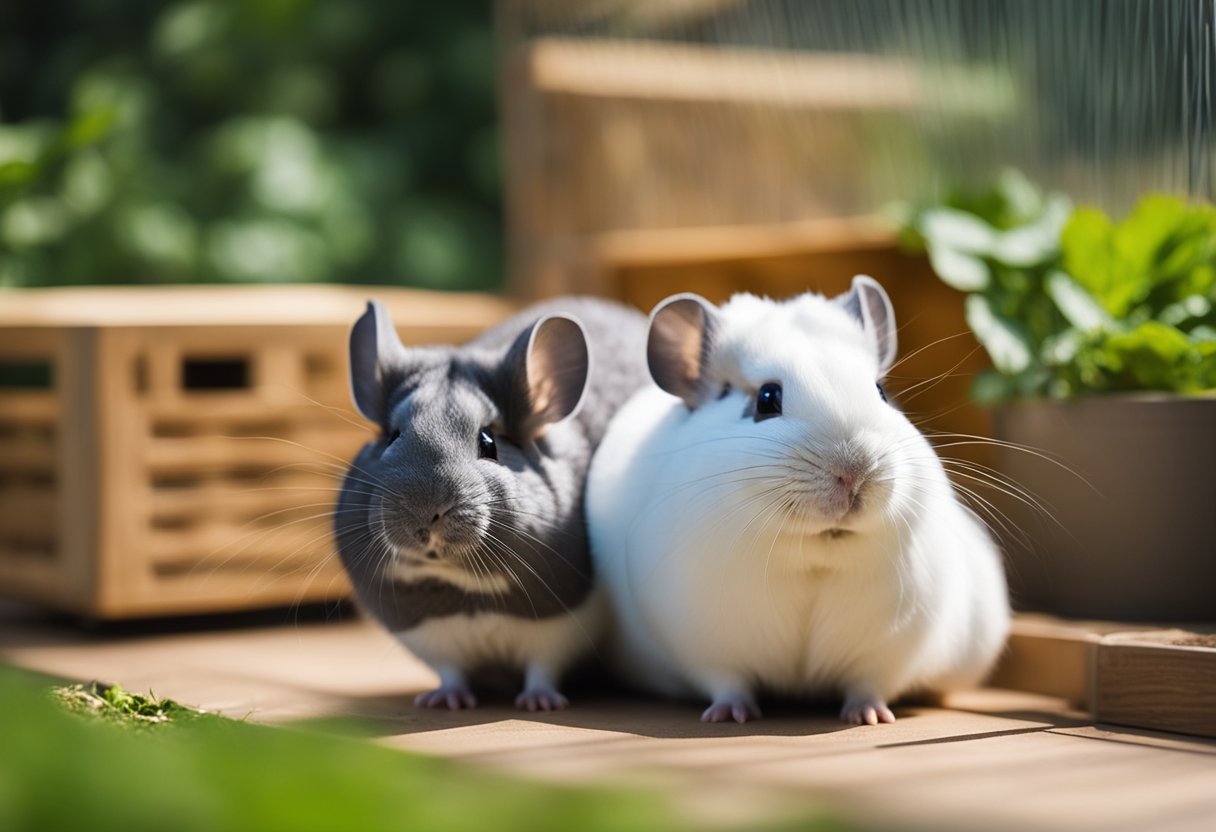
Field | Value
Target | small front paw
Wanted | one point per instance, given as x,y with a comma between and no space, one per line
865,710
449,696
541,699
740,710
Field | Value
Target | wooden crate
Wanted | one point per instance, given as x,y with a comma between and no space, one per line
176,450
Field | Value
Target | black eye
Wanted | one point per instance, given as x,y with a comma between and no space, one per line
393,436
768,400
486,448
882,394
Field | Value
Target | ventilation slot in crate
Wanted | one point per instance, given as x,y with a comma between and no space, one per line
240,497
273,534
26,375
215,375
28,507
28,440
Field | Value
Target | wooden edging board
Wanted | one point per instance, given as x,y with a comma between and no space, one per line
1164,679
1157,678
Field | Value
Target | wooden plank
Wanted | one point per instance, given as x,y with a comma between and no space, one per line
188,595
641,248
279,372
30,576
33,443
122,486
164,367
28,408
683,73
251,306
21,455
29,512
1164,680
204,455
228,501
1052,656
236,410
76,470
215,543
23,339
1140,737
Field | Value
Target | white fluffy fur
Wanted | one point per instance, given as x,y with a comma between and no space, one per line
710,530
542,648
407,569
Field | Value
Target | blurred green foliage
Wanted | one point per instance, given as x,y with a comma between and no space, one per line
249,140
1068,302
61,772
198,772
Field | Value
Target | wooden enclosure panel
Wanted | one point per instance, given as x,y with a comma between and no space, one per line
31,556
607,134
220,488
1162,680
206,522
47,550
260,306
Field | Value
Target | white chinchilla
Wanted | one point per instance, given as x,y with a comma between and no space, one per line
764,520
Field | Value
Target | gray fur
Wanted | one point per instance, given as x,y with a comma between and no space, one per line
531,500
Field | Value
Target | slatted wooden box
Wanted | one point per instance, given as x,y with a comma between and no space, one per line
177,450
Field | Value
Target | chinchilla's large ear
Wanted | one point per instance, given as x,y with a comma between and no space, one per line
375,352
868,303
682,331
547,367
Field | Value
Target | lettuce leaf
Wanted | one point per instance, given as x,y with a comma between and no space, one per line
1069,302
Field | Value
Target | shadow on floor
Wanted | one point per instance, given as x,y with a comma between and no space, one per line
598,703
27,626
597,707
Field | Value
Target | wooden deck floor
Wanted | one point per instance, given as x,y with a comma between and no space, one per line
992,759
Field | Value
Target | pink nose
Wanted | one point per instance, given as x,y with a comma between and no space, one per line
846,482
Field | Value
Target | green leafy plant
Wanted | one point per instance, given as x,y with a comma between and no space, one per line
249,141
1068,302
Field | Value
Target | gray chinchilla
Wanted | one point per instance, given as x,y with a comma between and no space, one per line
461,526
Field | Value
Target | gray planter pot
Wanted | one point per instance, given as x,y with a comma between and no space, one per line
1133,501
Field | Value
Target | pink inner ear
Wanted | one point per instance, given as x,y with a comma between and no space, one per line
878,321
556,371
541,389
676,348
